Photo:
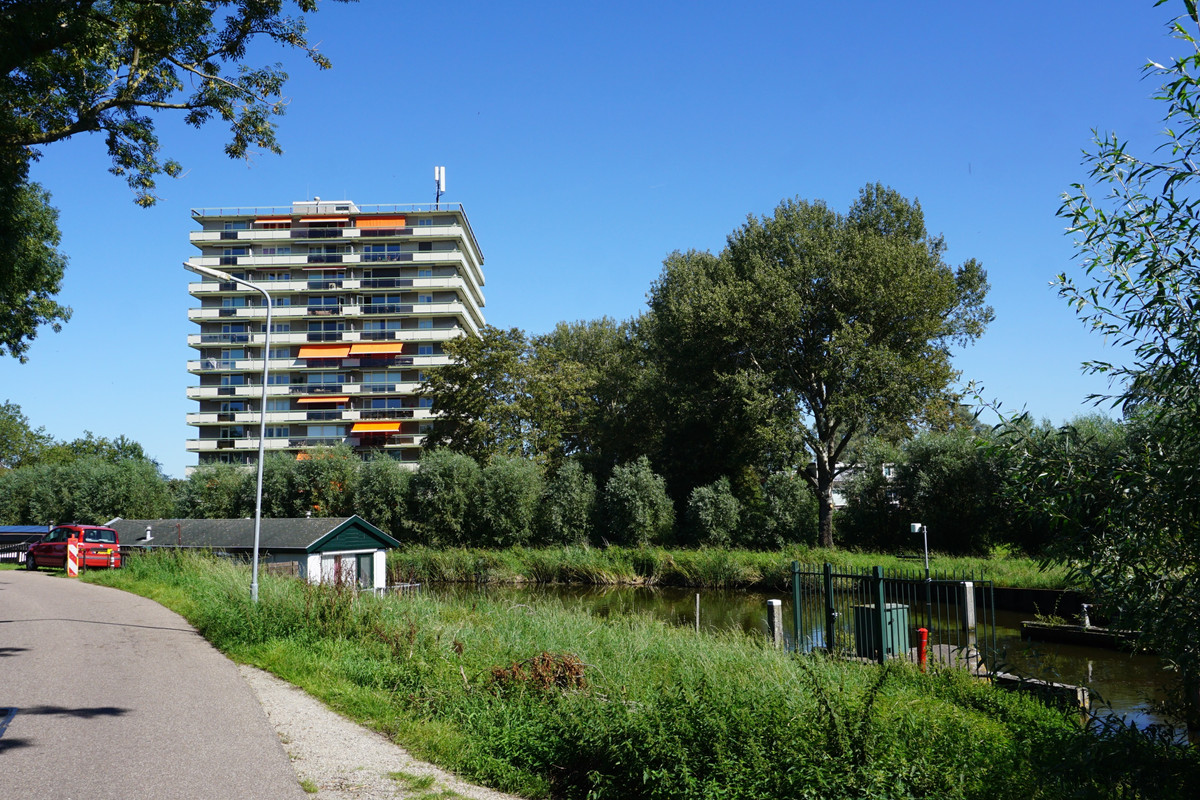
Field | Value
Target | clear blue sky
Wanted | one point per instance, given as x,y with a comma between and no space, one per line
586,143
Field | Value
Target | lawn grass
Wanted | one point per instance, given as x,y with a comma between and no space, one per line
534,699
701,568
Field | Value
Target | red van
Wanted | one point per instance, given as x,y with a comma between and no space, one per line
98,547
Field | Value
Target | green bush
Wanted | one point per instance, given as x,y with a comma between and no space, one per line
567,512
504,506
440,497
636,505
713,515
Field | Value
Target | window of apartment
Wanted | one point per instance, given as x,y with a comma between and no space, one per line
282,301
233,355
276,327
279,405
233,406
381,325
326,431
421,376
276,275
324,378
424,349
237,301
279,379
424,273
424,298
233,432
275,250
240,225
425,324
322,300
277,431
386,402
425,402
280,352
380,252
423,221
425,427
424,246
236,379
233,327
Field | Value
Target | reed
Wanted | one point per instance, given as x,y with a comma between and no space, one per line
713,568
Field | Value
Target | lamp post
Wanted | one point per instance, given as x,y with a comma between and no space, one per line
225,277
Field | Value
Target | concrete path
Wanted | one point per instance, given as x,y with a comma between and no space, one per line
104,694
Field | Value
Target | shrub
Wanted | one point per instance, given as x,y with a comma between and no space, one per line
504,507
713,514
383,487
636,505
440,494
567,512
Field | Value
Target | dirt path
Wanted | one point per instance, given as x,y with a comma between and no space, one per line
345,761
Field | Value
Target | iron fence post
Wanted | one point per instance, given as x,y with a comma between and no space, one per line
881,616
796,605
830,611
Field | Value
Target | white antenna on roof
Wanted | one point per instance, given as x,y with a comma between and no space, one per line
439,180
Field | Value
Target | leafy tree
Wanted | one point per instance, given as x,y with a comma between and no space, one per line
567,512
481,397
20,444
89,490
33,266
108,66
713,515
440,497
326,480
788,515
217,491
636,505
507,500
814,327
383,495
1133,512
114,451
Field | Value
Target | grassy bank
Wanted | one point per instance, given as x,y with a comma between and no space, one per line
704,568
535,700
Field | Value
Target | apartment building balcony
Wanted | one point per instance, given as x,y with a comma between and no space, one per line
281,338
246,312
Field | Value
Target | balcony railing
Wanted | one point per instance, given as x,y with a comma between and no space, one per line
368,232
316,388
324,284
324,415
386,413
316,233
324,311
384,283
325,258
386,308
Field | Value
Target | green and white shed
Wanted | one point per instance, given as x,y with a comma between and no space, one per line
348,550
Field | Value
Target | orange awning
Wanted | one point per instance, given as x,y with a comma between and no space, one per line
376,427
381,221
337,399
376,348
324,351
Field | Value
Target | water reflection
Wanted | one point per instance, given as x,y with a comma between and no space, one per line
1122,681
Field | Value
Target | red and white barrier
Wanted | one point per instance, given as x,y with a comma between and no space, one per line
72,557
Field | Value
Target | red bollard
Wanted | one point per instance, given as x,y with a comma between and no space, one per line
922,647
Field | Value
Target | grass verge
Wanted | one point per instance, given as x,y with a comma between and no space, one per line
543,702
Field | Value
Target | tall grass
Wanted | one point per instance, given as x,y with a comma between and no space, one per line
533,699
706,567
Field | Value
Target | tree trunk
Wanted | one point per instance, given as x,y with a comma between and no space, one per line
825,502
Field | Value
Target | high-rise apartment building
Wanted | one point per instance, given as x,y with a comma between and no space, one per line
363,298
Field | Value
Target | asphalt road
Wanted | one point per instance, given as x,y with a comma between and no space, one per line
104,694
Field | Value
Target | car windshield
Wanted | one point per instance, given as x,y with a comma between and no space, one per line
107,537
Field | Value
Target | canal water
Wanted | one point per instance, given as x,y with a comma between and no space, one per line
1120,682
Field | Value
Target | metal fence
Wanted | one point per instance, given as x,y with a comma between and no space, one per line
877,614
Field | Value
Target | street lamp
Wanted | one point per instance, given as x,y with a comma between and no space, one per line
225,277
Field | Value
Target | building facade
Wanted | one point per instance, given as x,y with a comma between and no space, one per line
363,301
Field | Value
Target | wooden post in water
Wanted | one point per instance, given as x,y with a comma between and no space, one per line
775,621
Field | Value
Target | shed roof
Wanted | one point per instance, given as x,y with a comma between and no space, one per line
302,534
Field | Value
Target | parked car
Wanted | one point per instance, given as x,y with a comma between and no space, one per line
98,547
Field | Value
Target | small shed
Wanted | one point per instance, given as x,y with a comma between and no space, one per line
346,550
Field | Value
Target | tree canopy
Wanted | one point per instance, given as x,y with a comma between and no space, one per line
108,66
813,327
